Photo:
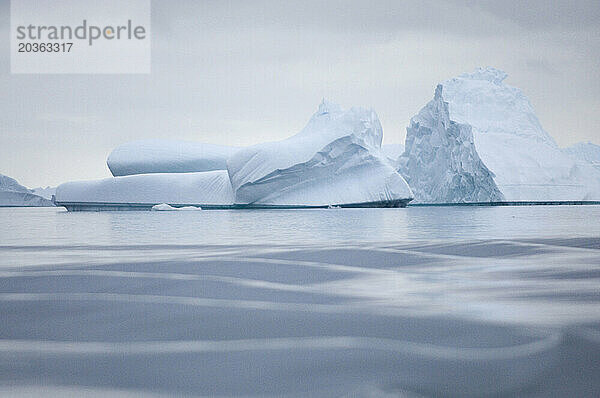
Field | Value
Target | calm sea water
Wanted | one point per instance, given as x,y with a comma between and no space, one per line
56,226
438,301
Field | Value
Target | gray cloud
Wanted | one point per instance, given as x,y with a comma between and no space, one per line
243,72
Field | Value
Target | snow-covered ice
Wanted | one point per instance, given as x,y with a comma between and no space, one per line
524,160
210,188
335,159
167,156
478,140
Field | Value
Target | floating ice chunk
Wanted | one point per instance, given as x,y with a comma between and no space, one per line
163,207
166,207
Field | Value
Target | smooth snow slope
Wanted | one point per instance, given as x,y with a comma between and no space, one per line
441,163
586,152
14,194
167,156
210,188
335,159
526,163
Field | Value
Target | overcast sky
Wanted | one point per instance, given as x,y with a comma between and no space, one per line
243,72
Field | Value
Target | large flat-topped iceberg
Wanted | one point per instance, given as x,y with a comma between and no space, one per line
206,188
523,160
335,159
167,156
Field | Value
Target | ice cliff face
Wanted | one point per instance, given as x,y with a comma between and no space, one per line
335,159
167,156
440,162
523,160
14,194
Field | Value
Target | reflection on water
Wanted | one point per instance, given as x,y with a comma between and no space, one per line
343,302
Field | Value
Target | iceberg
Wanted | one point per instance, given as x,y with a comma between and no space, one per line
167,156
441,163
142,191
14,194
336,159
508,147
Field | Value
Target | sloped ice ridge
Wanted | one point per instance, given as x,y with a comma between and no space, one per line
335,159
14,194
440,161
523,160
10,184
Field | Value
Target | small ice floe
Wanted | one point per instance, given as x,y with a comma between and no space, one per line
166,207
